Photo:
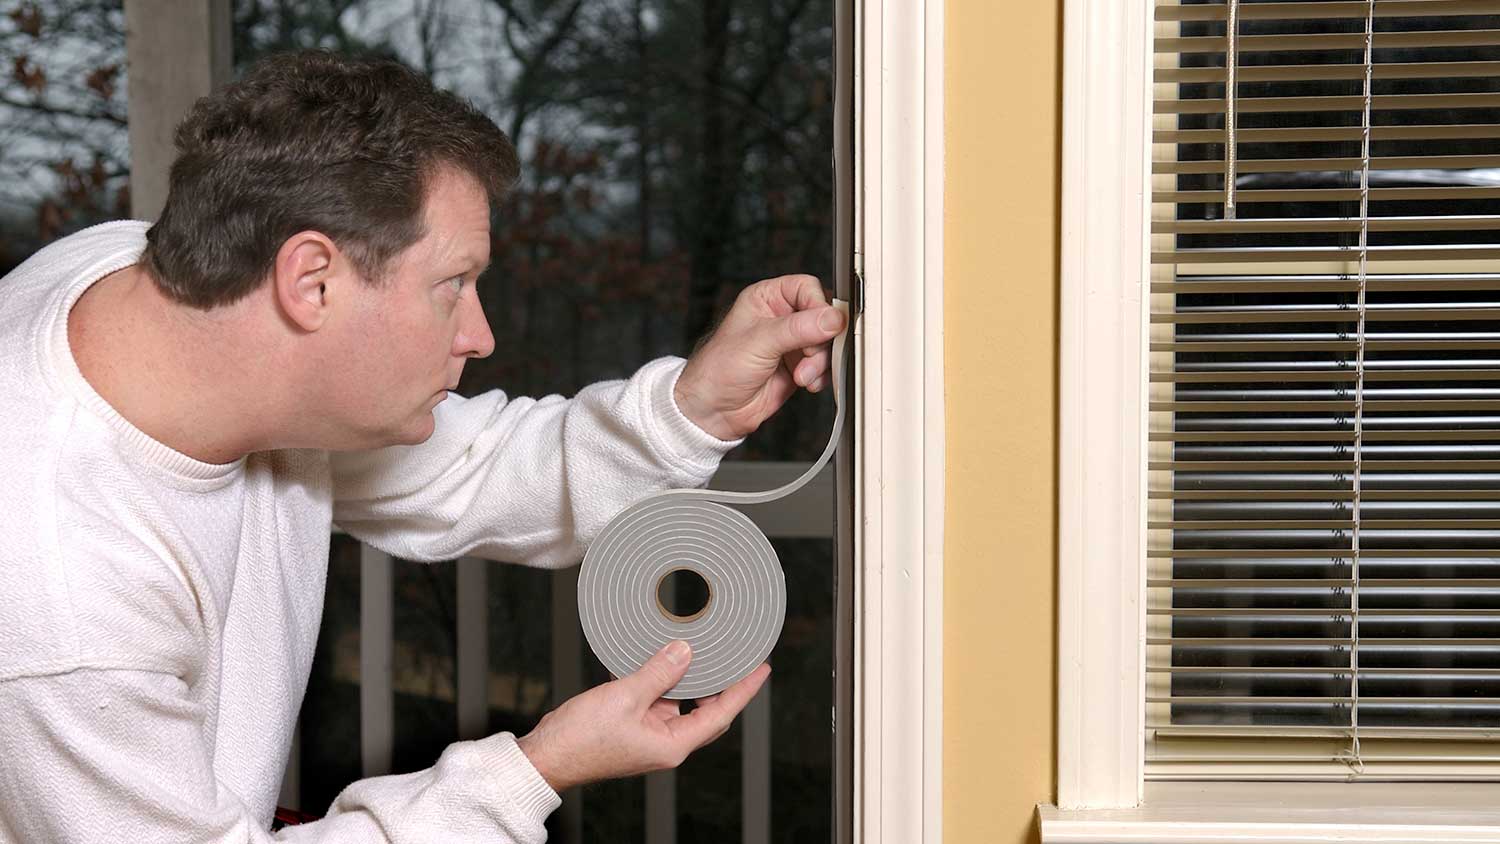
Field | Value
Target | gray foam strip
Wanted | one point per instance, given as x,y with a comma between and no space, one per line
692,529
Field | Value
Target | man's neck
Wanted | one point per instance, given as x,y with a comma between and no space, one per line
174,372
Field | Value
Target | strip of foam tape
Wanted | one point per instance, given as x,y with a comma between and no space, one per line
692,529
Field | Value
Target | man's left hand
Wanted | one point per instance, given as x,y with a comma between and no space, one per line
774,339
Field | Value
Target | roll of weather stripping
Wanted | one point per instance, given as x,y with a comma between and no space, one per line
619,585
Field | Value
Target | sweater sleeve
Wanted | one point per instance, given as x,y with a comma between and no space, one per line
524,480
113,755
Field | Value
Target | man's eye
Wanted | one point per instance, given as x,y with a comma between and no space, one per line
457,283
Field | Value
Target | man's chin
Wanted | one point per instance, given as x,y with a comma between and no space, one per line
415,432
420,432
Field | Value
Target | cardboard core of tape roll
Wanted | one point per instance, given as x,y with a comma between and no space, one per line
673,615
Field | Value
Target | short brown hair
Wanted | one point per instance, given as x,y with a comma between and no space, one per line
311,141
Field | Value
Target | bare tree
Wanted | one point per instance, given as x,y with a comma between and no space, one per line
63,148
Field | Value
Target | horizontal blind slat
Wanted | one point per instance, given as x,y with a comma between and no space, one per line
1333,313
1304,165
1300,134
1304,195
1475,435
1329,72
1472,222
1334,9
1331,41
1321,376
1384,102
1332,524
1314,553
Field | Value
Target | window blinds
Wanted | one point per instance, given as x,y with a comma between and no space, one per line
1323,594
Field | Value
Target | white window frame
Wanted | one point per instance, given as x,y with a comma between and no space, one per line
899,449
1101,791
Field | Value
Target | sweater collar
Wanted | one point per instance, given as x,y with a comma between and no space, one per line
111,247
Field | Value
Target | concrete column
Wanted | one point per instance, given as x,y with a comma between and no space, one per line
176,51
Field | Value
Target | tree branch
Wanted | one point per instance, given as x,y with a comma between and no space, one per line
61,111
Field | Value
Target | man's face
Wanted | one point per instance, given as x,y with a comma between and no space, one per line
410,334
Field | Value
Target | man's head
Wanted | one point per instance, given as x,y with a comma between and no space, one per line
312,141
339,210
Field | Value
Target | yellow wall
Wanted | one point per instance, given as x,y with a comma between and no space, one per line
1003,92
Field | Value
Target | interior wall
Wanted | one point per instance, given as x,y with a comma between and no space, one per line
1003,135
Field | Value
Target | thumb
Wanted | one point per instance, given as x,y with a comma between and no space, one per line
661,672
804,329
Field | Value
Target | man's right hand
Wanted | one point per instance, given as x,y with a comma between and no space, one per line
625,727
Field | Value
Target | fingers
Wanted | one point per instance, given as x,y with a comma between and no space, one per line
800,291
660,673
801,330
783,295
790,361
664,709
714,715
810,367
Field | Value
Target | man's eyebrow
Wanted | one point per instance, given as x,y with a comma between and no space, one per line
473,263
468,265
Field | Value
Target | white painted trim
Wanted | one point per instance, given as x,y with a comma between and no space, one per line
1101,472
934,435
899,240
1288,813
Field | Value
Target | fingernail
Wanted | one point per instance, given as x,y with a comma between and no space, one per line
829,320
678,652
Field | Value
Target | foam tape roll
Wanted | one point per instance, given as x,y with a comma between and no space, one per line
692,529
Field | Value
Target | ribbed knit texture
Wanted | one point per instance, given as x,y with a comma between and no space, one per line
158,614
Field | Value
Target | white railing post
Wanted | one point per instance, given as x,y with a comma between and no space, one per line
661,807
755,766
567,680
176,52
376,627
661,786
473,648
291,780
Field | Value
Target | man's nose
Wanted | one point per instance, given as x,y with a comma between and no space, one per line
474,339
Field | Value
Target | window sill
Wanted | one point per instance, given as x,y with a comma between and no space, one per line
1288,813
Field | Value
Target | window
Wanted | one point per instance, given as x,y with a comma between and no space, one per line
1274,421
1323,573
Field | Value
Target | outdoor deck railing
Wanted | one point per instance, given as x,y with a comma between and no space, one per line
809,514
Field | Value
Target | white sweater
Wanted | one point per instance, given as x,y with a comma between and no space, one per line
158,614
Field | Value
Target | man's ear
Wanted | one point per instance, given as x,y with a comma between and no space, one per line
307,265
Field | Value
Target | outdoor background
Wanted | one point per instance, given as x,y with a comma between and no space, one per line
673,151
1002,133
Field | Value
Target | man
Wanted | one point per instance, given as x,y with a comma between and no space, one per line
188,409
